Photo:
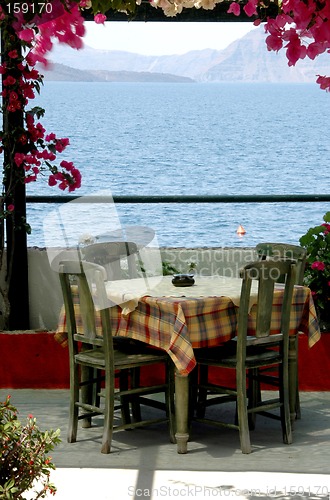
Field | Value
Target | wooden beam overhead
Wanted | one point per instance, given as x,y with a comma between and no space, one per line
146,13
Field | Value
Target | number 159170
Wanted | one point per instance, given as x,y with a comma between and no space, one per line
34,7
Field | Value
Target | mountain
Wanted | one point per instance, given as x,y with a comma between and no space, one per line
61,72
245,60
248,60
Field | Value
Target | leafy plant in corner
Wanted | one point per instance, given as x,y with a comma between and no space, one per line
317,273
25,463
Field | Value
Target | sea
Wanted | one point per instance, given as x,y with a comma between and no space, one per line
190,139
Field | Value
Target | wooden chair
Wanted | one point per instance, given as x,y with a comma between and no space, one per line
299,254
247,354
284,250
91,353
119,258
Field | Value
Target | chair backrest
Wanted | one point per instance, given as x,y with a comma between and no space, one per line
266,274
87,307
284,250
119,258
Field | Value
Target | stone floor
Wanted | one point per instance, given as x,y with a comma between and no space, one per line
144,464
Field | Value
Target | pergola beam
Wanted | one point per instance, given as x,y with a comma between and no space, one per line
146,13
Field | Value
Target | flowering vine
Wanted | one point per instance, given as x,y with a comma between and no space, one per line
317,273
30,150
302,27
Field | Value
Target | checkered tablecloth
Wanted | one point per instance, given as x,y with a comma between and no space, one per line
181,324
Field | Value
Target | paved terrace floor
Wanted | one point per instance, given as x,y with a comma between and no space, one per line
143,463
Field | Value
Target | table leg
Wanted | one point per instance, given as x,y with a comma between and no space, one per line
293,381
181,411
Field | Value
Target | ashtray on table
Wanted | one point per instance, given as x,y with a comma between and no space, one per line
183,280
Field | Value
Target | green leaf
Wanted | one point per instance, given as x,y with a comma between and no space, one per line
326,217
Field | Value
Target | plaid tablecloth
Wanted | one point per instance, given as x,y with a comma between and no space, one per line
181,324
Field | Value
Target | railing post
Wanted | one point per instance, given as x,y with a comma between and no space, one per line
14,194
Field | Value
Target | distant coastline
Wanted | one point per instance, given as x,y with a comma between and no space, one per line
245,60
60,72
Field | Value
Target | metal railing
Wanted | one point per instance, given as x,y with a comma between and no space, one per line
285,198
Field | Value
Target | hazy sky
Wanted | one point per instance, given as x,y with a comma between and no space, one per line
156,38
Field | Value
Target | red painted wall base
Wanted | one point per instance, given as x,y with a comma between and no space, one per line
35,360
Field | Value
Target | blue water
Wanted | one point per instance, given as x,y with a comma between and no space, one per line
203,139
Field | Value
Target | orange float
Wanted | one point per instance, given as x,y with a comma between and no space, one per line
240,230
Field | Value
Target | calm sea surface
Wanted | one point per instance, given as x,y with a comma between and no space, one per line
202,139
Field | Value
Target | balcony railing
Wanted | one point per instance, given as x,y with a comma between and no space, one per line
253,198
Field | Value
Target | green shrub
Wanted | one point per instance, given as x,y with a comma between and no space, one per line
24,455
317,272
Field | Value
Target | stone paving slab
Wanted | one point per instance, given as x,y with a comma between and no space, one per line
144,464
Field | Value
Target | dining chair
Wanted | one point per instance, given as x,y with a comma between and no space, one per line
119,258
287,251
299,254
92,353
246,354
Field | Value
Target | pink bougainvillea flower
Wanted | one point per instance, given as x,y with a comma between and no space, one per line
314,49
324,82
23,139
19,158
40,131
30,178
274,43
318,265
295,49
14,106
27,35
100,18
326,228
10,80
234,8
13,54
250,8
13,96
46,155
32,74
28,90
50,137
52,180
61,144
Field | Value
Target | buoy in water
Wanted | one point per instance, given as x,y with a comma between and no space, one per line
240,230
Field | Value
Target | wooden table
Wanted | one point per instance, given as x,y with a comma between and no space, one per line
179,320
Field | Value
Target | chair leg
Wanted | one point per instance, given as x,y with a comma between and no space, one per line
109,409
193,395
242,413
298,408
202,393
136,407
169,400
123,386
87,392
74,397
293,378
285,408
254,395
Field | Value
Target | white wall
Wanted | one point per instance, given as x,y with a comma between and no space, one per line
45,292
